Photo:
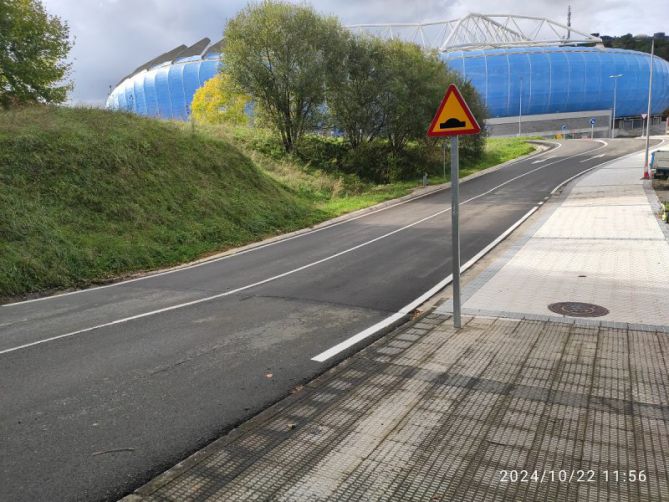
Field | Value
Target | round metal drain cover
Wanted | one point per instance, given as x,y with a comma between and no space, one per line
576,309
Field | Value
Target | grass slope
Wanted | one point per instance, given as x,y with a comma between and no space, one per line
87,195
333,193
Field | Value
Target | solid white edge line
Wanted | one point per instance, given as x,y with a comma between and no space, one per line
404,311
595,157
259,246
638,152
273,278
226,293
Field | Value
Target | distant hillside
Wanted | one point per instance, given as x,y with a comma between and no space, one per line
641,44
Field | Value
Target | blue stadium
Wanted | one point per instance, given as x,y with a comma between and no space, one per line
164,87
555,70
538,80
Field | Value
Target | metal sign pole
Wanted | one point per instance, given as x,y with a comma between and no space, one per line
455,230
454,118
646,171
443,158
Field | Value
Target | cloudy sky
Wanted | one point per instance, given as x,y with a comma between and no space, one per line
112,37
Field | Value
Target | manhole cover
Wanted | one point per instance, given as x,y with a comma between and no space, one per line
576,309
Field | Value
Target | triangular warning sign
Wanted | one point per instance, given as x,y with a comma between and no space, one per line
453,117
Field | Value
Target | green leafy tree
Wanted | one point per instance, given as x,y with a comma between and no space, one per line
355,99
282,55
391,89
33,46
217,102
417,81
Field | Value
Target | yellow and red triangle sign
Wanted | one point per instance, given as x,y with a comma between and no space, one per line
453,117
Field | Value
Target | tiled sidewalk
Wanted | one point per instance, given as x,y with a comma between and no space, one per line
431,413
601,242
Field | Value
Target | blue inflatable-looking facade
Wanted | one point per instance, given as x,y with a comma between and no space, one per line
511,81
537,80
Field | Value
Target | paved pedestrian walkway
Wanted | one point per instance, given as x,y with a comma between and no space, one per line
600,242
500,410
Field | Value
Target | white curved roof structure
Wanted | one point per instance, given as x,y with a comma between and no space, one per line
479,31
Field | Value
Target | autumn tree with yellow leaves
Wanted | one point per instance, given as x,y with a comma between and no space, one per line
217,102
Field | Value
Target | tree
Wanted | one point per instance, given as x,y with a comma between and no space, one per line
217,102
33,45
417,81
355,99
281,55
391,89
471,147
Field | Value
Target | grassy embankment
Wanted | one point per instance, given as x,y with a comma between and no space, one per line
89,195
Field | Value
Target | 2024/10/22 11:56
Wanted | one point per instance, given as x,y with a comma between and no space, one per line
572,476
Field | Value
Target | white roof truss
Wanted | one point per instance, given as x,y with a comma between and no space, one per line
479,31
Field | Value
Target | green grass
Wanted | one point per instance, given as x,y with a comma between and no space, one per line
334,193
498,151
87,196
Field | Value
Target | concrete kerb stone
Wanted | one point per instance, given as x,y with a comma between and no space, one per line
656,205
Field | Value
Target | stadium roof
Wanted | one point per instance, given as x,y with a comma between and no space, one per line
479,31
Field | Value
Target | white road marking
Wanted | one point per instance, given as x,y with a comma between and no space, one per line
273,278
254,248
404,311
539,161
656,147
595,157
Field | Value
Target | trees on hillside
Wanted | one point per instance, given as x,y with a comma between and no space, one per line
281,55
306,72
33,46
356,99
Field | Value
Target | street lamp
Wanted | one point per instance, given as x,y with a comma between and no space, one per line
520,109
615,89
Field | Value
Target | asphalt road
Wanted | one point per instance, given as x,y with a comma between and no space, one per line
139,380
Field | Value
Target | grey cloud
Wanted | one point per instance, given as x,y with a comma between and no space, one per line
115,36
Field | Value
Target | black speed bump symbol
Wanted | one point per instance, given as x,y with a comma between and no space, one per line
452,123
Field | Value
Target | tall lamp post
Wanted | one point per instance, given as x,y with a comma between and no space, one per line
520,109
615,90
646,173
